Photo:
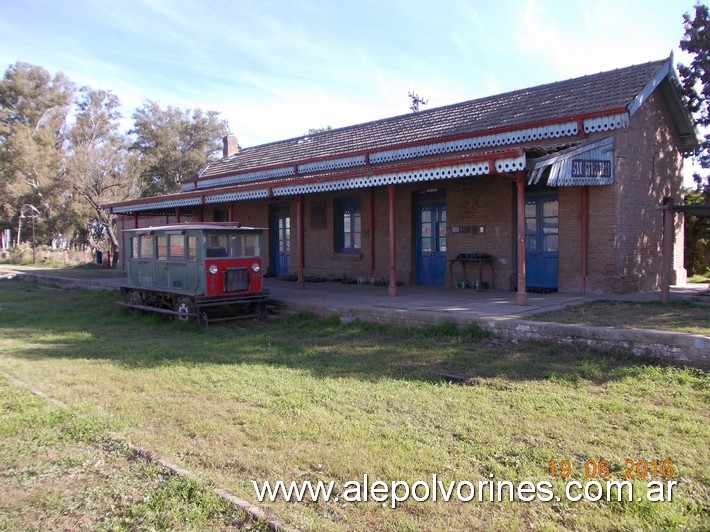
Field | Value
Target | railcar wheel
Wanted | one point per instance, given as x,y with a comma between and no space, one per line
185,309
134,298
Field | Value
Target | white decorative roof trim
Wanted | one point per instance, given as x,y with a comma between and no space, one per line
511,165
332,164
236,196
410,176
157,205
564,129
248,177
606,123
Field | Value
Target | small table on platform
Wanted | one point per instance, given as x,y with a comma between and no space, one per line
473,258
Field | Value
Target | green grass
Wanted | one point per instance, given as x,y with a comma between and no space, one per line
681,316
60,471
303,398
699,279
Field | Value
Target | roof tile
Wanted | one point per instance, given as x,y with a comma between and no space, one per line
578,96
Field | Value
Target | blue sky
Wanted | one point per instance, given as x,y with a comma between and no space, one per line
276,68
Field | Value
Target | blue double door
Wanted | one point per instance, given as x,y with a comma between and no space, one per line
430,243
542,242
280,236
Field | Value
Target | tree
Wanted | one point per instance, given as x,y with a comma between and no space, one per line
695,80
173,144
99,167
33,109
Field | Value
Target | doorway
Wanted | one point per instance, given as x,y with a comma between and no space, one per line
430,239
542,242
280,232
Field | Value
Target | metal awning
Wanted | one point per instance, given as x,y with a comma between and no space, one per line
591,162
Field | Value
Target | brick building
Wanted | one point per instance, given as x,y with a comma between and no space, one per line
555,187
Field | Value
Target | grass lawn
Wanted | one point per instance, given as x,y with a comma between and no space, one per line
60,471
699,279
301,398
681,316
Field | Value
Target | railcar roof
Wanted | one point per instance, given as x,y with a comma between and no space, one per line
194,226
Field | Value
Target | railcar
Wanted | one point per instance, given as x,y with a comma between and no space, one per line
196,271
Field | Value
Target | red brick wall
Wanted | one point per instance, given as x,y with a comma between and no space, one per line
649,168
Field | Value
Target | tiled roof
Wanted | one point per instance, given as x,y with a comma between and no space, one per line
574,97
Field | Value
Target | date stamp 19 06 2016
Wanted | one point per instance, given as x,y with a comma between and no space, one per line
633,469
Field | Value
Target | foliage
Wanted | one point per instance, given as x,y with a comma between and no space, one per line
697,235
62,153
695,80
99,167
173,144
33,110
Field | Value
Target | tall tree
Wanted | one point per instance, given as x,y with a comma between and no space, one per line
99,167
33,109
695,79
174,144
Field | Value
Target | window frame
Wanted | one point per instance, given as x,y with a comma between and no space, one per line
353,205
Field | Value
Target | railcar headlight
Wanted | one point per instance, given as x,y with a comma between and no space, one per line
255,267
213,269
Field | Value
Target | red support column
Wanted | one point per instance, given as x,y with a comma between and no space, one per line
668,216
521,297
300,282
177,215
392,289
372,232
585,236
231,212
135,221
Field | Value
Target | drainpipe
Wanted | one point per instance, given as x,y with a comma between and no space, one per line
521,298
392,289
585,236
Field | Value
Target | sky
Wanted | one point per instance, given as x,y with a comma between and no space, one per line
276,68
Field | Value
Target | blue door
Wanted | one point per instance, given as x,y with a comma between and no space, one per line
431,243
280,241
541,243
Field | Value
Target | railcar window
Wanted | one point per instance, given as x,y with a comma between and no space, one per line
252,245
177,246
162,245
146,247
191,247
237,245
217,245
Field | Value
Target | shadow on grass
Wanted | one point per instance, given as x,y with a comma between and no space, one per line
36,322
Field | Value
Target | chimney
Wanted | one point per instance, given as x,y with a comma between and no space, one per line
230,146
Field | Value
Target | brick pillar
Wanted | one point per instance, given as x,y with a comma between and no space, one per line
668,231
